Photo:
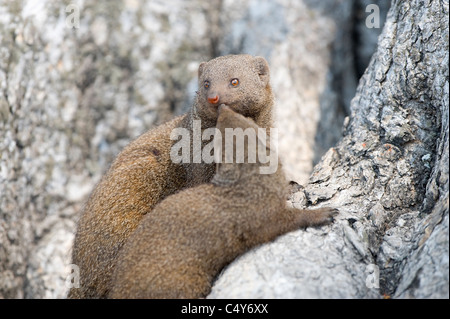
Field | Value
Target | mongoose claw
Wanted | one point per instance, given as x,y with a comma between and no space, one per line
331,212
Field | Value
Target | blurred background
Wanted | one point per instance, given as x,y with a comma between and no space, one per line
81,79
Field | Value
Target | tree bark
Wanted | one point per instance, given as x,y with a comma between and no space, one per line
388,176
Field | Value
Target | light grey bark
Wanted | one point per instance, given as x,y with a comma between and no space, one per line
388,176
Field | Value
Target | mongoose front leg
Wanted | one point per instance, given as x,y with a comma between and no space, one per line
316,217
292,218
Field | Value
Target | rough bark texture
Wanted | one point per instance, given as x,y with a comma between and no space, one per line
71,98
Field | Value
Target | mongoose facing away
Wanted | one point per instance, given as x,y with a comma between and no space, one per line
143,173
178,249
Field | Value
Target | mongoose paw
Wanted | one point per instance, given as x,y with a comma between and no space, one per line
327,214
223,107
294,187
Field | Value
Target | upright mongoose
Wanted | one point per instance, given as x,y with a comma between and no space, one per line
143,173
178,249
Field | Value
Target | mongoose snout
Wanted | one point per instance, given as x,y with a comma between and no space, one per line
214,99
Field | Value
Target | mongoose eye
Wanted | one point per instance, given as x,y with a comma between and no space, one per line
206,84
234,82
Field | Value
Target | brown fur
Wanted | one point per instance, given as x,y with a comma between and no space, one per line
143,173
178,249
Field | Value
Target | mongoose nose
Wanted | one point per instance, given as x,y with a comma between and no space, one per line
213,100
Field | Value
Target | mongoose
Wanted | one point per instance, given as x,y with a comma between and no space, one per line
143,173
178,249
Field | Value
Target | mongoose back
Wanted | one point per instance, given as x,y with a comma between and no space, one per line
178,249
143,173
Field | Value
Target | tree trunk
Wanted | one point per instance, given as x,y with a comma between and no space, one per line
388,176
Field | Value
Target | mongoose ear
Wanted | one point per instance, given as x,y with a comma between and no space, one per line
201,67
262,68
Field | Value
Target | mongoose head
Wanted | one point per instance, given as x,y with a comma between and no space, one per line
240,145
239,81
